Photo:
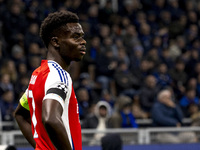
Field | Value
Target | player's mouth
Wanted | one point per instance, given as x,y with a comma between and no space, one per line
83,51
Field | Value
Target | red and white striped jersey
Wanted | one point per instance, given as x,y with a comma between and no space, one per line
50,81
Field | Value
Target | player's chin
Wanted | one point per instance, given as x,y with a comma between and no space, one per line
78,58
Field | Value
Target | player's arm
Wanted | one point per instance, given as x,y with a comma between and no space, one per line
22,116
52,109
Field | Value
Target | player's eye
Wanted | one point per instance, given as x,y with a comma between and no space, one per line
76,37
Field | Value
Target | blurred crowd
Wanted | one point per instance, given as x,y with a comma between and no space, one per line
135,50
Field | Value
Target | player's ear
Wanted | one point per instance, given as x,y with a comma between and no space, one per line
54,42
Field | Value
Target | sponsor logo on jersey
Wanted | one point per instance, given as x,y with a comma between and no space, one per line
33,79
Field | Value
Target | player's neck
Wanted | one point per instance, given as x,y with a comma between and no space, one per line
53,55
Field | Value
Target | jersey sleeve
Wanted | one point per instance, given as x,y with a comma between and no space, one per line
24,101
57,91
57,84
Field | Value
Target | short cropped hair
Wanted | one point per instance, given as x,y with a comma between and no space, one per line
53,23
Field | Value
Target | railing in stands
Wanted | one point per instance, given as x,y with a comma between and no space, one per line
140,122
129,136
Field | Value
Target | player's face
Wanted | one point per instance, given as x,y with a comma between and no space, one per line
72,45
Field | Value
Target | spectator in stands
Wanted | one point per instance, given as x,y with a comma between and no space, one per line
84,102
191,33
148,92
162,76
14,23
2,9
89,61
136,57
194,114
159,5
85,81
98,120
94,49
122,56
21,86
179,78
130,37
32,11
174,9
9,67
111,142
153,55
166,113
22,69
189,98
3,45
11,147
196,70
107,45
17,54
124,80
138,113
93,12
105,68
33,62
123,117
7,107
45,8
31,36
198,85
145,36
191,83
104,32
142,72
191,63
5,83
158,44
165,17
195,44
176,47
108,97
166,58
33,49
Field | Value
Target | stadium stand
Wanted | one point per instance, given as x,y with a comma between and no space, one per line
135,48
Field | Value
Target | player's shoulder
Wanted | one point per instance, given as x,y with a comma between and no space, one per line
43,68
58,73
